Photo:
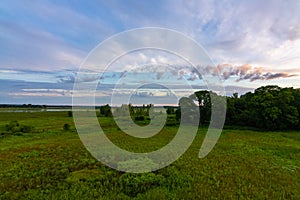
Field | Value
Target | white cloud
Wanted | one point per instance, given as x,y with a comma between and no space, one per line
47,36
29,48
262,33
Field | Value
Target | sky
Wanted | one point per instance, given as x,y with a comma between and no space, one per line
44,43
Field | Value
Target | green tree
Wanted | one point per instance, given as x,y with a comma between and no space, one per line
170,110
105,110
204,102
189,111
269,108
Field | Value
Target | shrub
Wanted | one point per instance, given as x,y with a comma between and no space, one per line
132,185
12,126
66,127
25,129
139,118
70,113
171,122
15,127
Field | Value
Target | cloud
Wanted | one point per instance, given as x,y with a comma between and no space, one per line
66,78
35,75
29,48
270,76
225,71
43,43
47,36
173,74
259,33
254,32
248,72
59,36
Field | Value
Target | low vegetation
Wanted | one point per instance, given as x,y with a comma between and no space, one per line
51,163
14,127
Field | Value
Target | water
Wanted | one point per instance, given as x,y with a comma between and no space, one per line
36,110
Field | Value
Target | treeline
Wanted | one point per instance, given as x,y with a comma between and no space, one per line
140,113
124,109
21,106
267,108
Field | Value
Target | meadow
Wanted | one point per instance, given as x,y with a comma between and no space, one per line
50,162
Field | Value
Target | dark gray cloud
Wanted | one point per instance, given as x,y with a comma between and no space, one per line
248,72
270,76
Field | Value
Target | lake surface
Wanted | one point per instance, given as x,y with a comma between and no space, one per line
36,110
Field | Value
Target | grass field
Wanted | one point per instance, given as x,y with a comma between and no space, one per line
52,163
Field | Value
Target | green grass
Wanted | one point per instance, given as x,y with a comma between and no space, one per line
51,163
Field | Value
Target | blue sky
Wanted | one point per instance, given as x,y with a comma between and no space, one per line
43,43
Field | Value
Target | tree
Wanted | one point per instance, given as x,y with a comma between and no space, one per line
170,110
189,111
204,102
178,114
269,108
105,110
296,103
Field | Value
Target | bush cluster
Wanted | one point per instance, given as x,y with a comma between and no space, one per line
139,118
66,127
15,127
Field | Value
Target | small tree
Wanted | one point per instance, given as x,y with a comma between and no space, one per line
105,111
